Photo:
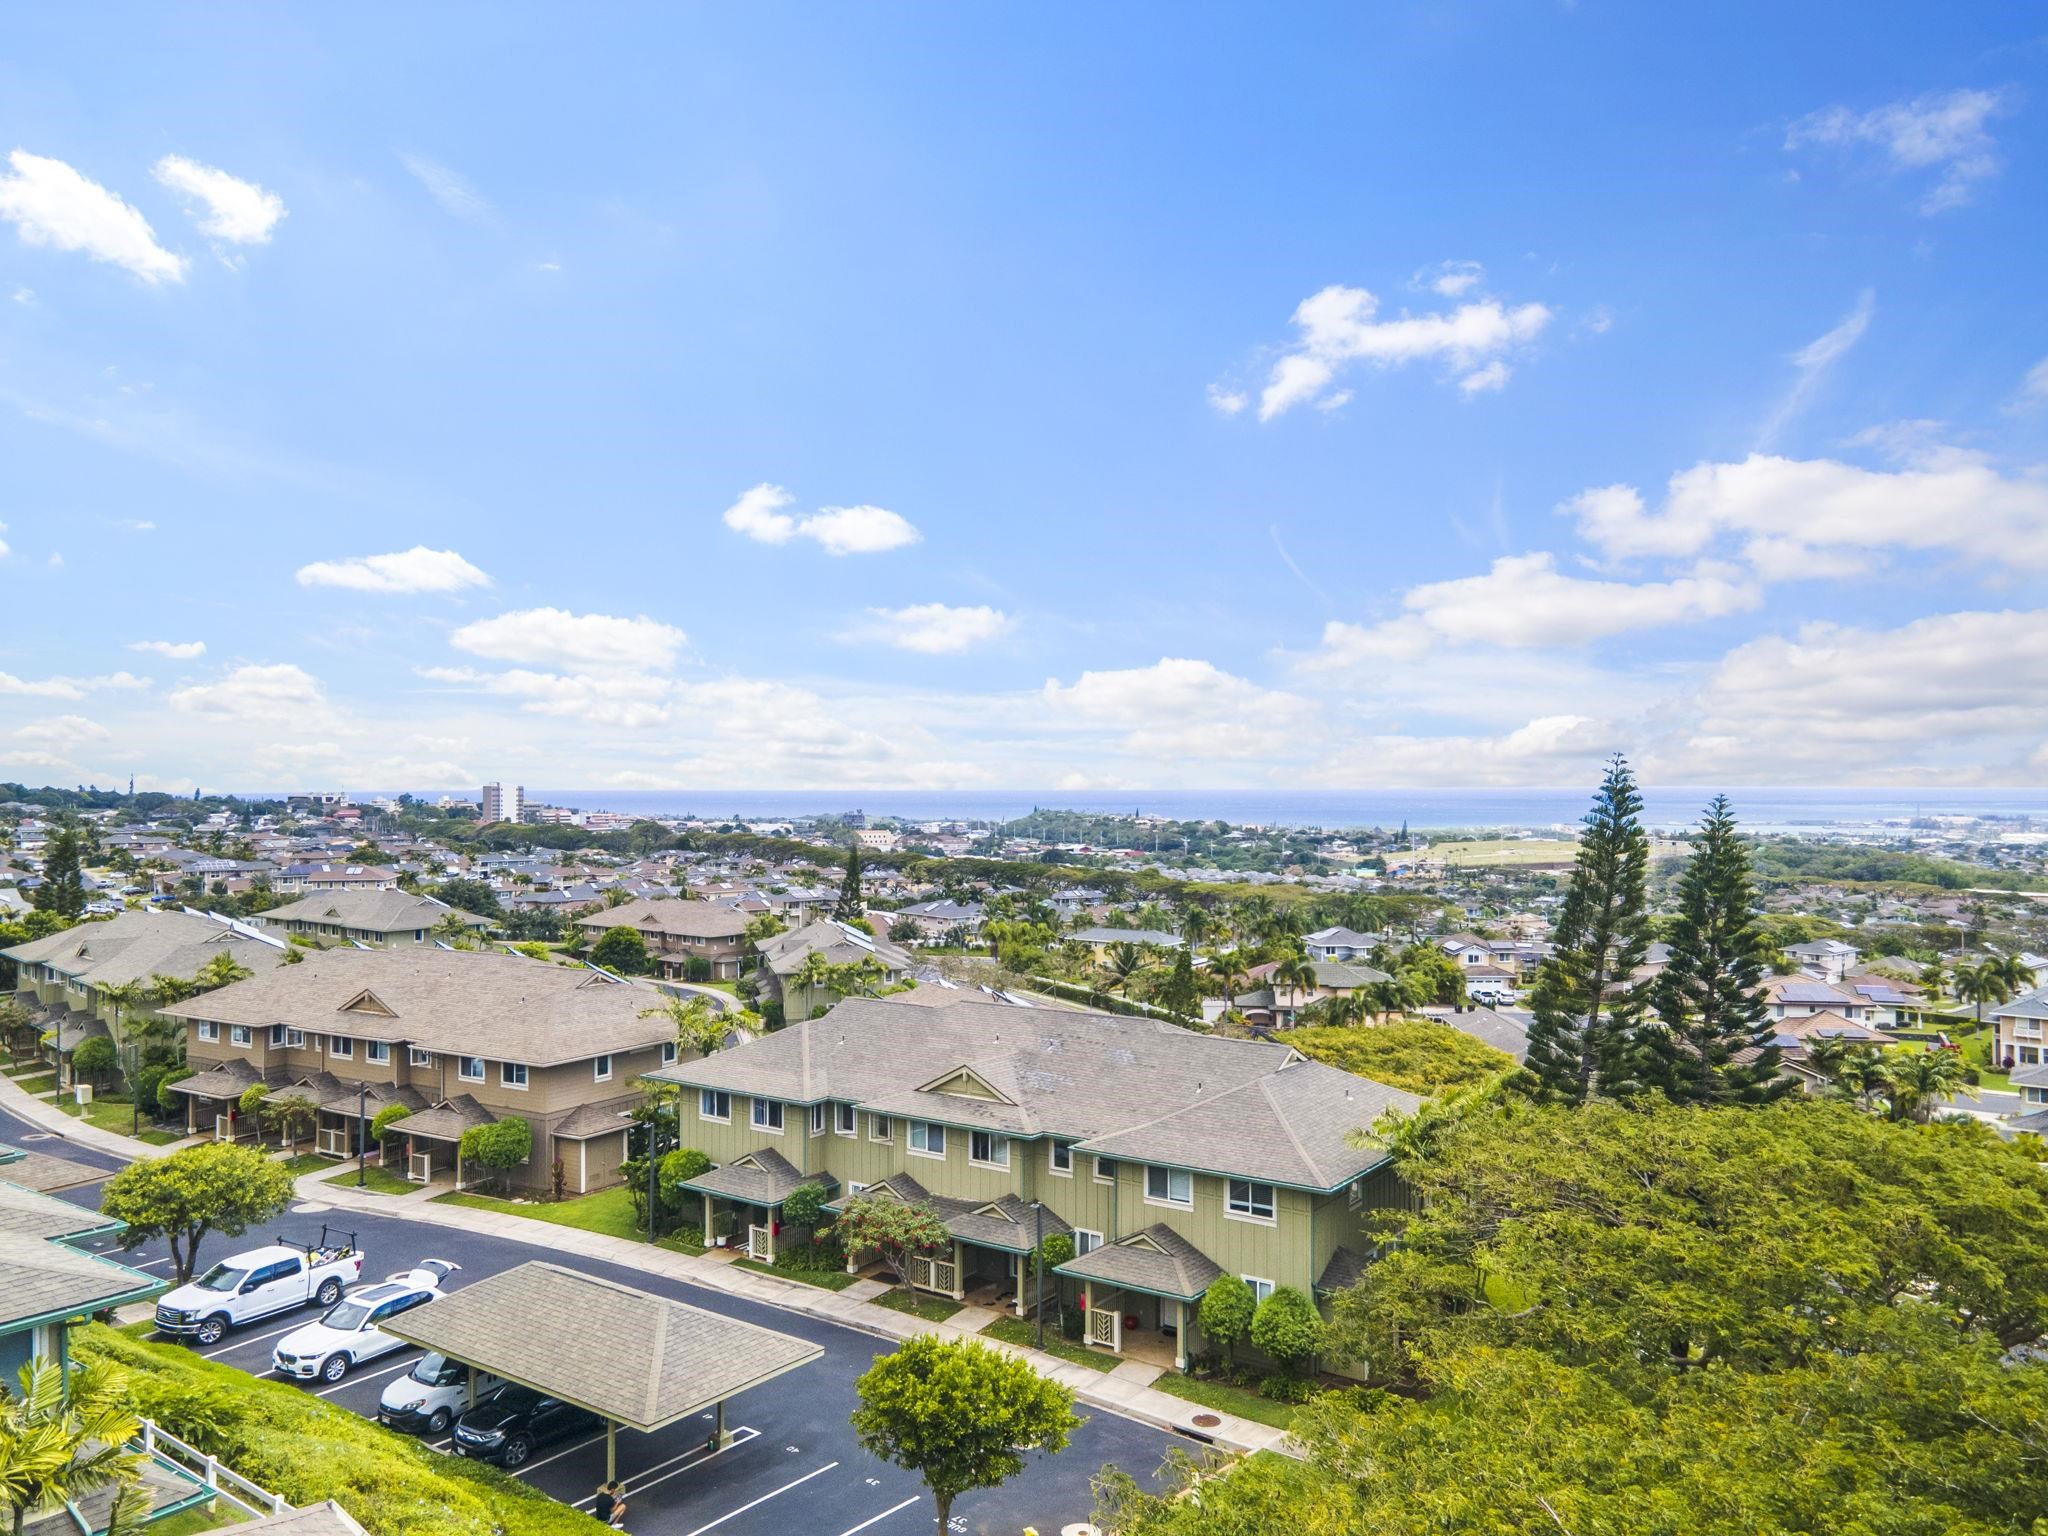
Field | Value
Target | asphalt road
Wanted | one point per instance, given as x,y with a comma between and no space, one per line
795,1466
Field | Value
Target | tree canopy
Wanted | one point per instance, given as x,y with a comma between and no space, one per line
217,1187
1419,1055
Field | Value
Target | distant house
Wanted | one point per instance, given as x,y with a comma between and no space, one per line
1798,997
1828,959
335,877
2019,1029
1099,939
783,957
677,932
365,917
1279,1007
1340,944
1503,1031
1795,1038
936,920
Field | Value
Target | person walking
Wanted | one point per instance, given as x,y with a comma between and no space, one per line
610,1506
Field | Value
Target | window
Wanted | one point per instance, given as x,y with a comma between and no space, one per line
1169,1186
1253,1202
988,1148
512,1074
714,1104
1086,1241
668,1053
416,1057
855,1187
601,1068
843,1119
208,1030
277,1034
1059,1158
927,1139
295,1038
881,1128
241,1034
376,1050
817,1119
1261,1289
341,1047
1105,1170
470,1068
767,1115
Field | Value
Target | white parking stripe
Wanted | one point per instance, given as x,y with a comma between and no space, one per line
535,1466
694,1455
254,1338
734,1513
878,1519
403,1365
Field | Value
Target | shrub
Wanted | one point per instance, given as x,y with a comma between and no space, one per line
622,950
148,1082
1287,1389
1072,1324
804,1205
501,1145
1286,1328
93,1058
168,1099
696,968
822,1255
1226,1314
680,1165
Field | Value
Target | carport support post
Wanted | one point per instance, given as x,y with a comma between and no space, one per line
718,1426
611,1450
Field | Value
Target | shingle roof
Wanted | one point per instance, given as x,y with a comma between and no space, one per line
2028,1005
378,1096
1157,1260
1131,1088
370,911
1804,989
446,1121
1345,1269
640,1359
27,1213
761,1177
2035,1076
459,1002
134,946
589,1120
40,1278
1154,936
837,943
226,1081
1487,1026
328,1519
684,919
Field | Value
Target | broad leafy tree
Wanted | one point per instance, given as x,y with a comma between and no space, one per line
892,1228
1420,1055
1708,997
1226,1313
1585,1038
219,1187
960,1414
620,949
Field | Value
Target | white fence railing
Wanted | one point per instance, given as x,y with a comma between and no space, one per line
217,1475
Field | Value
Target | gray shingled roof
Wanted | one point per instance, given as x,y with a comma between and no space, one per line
684,919
28,1213
369,911
226,1081
134,946
380,1095
43,1279
446,1121
588,1120
1345,1269
1139,1089
2035,1076
786,951
761,1177
328,1519
459,1002
2028,1005
639,1359
1157,1260
1499,1030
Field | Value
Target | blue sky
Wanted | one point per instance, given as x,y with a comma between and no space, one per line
1150,396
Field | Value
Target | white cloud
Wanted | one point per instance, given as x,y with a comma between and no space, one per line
237,211
62,731
1812,363
1944,132
51,205
1525,601
934,629
1451,278
2034,387
418,569
1338,327
1481,381
555,638
861,530
281,694
629,699
1227,402
24,295
452,190
1182,708
68,687
136,525
173,650
1947,500
56,560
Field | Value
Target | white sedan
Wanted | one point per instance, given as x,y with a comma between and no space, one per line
347,1333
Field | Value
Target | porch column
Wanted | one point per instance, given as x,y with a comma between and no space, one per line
1022,1265
959,1290
1180,1334
707,1221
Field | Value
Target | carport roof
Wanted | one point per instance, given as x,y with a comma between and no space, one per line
638,1359
328,1519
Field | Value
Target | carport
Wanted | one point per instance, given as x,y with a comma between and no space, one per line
626,1355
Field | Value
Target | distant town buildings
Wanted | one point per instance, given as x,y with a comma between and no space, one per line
502,804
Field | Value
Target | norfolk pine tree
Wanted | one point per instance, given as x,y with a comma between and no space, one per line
1708,995
1585,1039
849,907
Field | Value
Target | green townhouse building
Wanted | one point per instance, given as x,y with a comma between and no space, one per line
1170,1157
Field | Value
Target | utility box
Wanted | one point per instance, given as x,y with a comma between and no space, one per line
81,1093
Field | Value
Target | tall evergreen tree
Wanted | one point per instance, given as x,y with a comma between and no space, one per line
1708,996
849,908
63,887
1586,1037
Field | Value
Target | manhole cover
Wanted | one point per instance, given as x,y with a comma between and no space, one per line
1206,1421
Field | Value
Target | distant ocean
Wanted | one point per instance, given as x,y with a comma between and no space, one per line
1761,810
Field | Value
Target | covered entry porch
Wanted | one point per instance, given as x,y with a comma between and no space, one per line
213,1101
346,1113
1140,1294
988,1261
742,1199
433,1138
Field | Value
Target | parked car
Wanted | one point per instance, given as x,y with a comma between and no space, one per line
427,1398
261,1283
347,1334
513,1422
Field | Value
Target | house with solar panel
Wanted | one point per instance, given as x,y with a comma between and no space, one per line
1169,1157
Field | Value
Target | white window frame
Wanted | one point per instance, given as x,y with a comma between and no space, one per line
241,1034
1261,1289
818,1118
377,1050
668,1053
462,1066
294,1039
708,1099
998,1150
208,1031
925,1128
881,1128
1248,1211
277,1034
754,1115
415,1057
855,1187
601,1068
845,1120
1086,1241
1168,1199
342,1047
1109,1177
1053,1149
507,1077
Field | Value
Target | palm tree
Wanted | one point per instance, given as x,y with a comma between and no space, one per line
1297,973
62,1439
453,930
1921,1083
1861,1075
1383,997
1226,977
1124,962
1980,984
1197,926
222,970
1826,1054
699,1026
2017,975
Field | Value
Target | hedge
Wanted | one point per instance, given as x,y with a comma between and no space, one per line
307,1449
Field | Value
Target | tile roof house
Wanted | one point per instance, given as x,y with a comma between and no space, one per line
365,917
677,931
1120,1127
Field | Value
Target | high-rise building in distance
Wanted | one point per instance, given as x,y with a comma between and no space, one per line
502,804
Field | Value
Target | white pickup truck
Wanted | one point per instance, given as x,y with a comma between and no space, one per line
261,1283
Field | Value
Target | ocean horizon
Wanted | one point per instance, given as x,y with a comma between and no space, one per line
1665,807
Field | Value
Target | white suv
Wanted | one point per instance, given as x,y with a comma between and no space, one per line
428,1397
347,1333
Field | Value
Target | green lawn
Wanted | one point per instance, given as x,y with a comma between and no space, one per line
1018,1330
190,1522
36,1082
116,1115
675,1242
378,1181
824,1279
609,1211
1227,1399
933,1309
308,1162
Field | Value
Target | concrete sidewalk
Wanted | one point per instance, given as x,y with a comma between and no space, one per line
17,1100
1127,1389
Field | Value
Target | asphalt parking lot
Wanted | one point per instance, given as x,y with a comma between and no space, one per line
794,1465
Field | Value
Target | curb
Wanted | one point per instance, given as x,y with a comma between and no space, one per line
19,1102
